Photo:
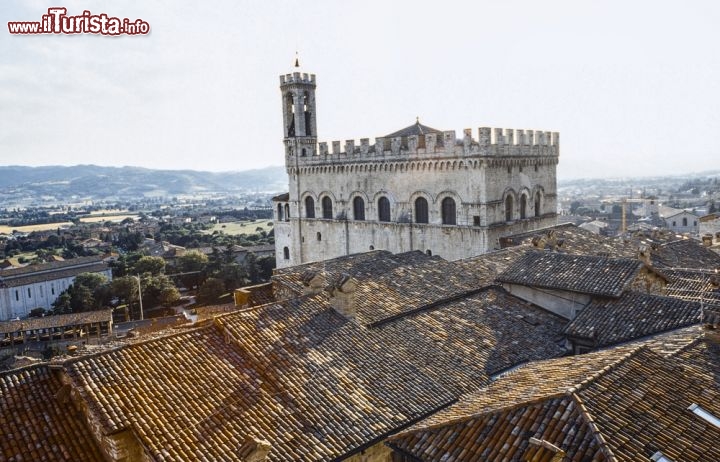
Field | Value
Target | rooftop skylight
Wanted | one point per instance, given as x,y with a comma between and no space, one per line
698,411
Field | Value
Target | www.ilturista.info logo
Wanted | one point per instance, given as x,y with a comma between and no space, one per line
56,21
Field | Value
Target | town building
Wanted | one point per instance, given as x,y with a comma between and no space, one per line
417,188
38,286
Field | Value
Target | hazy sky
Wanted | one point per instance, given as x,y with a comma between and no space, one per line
633,87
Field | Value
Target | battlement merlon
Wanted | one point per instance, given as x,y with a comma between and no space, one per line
497,142
297,77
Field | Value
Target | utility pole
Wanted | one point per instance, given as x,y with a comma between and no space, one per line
142,314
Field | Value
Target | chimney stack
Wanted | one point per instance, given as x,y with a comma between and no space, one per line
342,296
313,282
258,449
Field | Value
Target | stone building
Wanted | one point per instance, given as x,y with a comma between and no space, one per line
417,188
38,286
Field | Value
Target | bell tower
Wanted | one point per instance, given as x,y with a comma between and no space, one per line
299,115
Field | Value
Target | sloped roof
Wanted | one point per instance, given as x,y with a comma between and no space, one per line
694,284
632,316
462,343
610,405
37,424
685,253
297,374
61,320
574,273
415,129
389,285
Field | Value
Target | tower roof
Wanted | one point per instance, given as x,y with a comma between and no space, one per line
415,129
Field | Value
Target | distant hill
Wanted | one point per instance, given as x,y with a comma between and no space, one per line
91,181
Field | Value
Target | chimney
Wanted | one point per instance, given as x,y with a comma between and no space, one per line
707,240
342,296
313,282
644,255
258,449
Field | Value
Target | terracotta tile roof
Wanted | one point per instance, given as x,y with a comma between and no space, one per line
56,265
415,129
62,320
36,424
610,405
390,285
571,239
49,271
574,273
296,374
632,316
685,253
462,343
694,284
487,266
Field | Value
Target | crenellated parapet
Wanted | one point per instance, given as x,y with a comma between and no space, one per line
489,142
297,77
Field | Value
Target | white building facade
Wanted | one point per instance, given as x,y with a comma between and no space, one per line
38,286
415,189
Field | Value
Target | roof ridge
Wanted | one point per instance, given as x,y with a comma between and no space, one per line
609,368
462,418
590,422
71,361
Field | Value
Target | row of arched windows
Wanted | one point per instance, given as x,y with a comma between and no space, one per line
510,209
447,209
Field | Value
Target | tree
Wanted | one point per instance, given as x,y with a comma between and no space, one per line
210,291
89,291
194,263
152,265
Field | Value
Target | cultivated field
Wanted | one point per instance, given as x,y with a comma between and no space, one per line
30,228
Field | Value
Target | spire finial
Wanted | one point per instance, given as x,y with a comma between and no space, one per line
297,60
417,120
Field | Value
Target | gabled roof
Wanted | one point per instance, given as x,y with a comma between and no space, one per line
574,273
415,129
685,253
611,405
694,284
632,316
389,285
462,343
61,320
297,374
38,420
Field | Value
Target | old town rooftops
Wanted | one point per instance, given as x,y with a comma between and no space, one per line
297,374
610,405
574,273
634,315
38,421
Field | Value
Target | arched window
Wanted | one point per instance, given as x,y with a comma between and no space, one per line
538,210
684,221
319,237
383,209
358,208
421,210
286,253
287,212
303,152
448,211
327,208
309,207
428,252
523,206
280,212
508,208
